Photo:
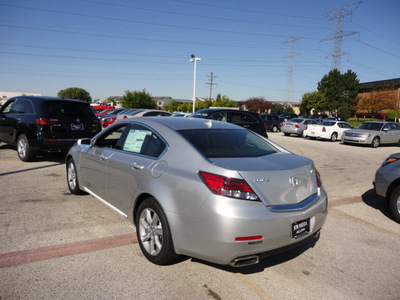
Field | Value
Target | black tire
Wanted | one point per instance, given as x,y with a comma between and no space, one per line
274,128
153,233
334,137
375,142
394,204
72,178
25,153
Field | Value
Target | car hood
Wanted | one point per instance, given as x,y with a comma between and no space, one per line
362,131
277,179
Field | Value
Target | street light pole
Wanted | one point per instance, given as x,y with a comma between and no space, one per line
194,59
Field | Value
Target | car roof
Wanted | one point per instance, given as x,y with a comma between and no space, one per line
47,98
226,109
184,123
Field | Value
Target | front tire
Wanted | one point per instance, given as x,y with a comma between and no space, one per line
25,153
153,233
72,178
394,204
375,142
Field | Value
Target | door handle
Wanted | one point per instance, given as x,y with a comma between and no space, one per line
103,157
136,166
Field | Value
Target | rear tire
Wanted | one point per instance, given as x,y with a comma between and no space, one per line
274,128
153,233
334,137
25,153
394,204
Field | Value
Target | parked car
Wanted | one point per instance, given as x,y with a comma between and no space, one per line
328,129
110,117
40,124
240,196
373,133
105,111
296,126
387,183
247,119
143,113
272,122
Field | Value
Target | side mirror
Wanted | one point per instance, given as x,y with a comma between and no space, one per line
84,142
385,129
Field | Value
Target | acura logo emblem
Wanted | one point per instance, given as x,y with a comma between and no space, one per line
293,181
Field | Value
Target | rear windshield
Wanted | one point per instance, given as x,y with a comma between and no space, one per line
62,109
296,120
228,142
327,123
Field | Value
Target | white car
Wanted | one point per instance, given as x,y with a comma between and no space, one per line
330,130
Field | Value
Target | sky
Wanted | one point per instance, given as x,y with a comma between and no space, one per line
110,46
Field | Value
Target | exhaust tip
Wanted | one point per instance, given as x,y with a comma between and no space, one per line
245,261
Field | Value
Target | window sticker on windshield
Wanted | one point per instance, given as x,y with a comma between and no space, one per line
134,140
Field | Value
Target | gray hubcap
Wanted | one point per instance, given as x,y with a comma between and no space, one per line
22,148
150,230
71,176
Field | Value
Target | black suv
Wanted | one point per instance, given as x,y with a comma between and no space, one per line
45,124
272,122
247,119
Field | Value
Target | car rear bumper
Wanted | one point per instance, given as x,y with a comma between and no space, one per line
219,233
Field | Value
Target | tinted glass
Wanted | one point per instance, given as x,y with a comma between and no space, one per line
67,109
328,123
228,143
141,140
240,117
371,126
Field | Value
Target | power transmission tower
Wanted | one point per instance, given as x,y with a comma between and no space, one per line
289,88
338,15
211,82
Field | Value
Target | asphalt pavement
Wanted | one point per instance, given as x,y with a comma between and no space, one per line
54,245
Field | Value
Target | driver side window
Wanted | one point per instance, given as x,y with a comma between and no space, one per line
111,138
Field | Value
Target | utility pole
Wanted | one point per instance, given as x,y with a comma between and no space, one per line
289,88
338,15
211,83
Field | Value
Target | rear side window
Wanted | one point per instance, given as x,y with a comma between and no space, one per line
22,106
68,109
241,117
141,140
228,143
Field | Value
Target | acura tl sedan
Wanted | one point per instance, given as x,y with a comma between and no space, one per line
373,133
200,188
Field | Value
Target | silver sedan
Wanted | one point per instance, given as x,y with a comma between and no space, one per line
296,126
201,188
373,133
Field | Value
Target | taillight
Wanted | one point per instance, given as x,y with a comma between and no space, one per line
228,187
125,117
306,127
297,126
318,177
47,121
323,129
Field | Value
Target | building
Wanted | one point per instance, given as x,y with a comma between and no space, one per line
390,85
4,96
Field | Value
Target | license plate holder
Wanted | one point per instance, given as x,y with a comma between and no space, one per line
77,126
300,228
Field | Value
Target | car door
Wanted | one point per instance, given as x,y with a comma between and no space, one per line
93,161
245,120
7,121
387,135
396,132
127,167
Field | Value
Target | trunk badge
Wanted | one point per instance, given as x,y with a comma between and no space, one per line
260,180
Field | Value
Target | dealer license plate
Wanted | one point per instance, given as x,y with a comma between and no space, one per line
300,228
78,126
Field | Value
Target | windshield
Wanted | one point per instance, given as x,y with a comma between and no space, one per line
371,126
228,142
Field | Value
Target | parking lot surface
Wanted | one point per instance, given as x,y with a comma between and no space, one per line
56,245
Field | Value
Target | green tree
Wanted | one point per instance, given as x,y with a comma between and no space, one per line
341,90
138,99
172,106
75,93
316,101
278,108
224,101
111,100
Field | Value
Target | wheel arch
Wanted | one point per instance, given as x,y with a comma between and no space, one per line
392,187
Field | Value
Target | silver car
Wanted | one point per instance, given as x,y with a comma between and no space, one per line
143,113
387,183
373,133
202,188
296,126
